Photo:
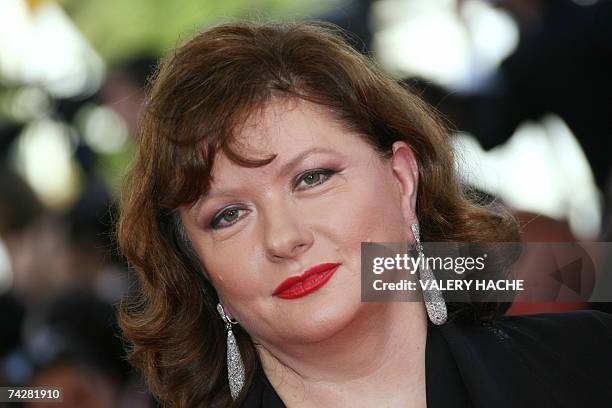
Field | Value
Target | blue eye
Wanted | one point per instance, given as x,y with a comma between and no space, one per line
226,218
314,178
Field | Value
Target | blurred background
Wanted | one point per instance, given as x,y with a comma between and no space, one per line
525,86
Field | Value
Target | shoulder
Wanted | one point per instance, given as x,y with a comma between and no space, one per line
543,358
578,341
568,351
581,327
584,331
587,319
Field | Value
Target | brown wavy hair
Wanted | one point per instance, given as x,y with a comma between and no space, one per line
200,94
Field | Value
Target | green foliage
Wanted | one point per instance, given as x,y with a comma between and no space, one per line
119,28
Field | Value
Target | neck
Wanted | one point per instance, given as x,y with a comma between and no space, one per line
379,356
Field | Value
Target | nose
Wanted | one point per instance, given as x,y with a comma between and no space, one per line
285,234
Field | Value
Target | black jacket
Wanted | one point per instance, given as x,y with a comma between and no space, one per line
545,360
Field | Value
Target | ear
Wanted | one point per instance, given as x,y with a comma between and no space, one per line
406,173
227,310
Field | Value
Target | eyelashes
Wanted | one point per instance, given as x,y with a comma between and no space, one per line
226,218
304,181
313,178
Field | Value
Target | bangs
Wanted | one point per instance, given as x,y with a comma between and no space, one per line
192,145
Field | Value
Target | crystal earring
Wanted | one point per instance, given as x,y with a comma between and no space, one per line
434,302
235,366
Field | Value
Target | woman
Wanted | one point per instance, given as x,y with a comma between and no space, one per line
268,154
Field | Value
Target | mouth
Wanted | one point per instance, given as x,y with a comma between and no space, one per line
311,280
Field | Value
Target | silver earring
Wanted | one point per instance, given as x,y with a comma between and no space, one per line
235,366
434,301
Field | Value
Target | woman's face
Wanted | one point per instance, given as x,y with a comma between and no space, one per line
325,193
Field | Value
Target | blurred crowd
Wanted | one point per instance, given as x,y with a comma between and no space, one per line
66,276
61,275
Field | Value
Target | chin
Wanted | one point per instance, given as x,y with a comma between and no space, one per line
322,319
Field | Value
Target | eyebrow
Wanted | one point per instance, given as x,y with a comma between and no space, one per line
291,164
284,169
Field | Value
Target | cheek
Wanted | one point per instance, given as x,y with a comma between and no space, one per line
371,212
231,269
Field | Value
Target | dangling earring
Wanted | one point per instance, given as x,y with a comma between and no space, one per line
235,366
434,302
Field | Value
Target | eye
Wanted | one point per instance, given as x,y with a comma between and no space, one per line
313,178
226,218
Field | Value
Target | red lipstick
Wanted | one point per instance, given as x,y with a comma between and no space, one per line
312,279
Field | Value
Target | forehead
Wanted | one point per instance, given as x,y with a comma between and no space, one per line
286,123
286,128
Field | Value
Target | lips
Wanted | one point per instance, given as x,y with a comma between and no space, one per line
311,280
